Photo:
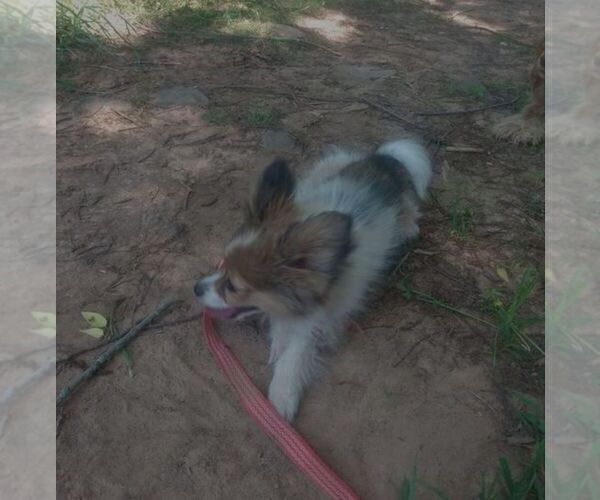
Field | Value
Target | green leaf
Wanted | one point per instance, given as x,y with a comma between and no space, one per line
45,332
45,319
95,320
97,333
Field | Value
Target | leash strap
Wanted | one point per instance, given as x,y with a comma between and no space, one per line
265,415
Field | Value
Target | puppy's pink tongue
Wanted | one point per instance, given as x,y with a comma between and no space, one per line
225,313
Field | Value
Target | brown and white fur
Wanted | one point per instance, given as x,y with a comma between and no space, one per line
310,254
528,125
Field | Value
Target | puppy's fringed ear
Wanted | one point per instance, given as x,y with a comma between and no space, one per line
321,243
275,187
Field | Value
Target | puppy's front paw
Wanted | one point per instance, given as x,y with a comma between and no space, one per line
284,399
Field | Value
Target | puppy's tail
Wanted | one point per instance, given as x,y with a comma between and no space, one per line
414,158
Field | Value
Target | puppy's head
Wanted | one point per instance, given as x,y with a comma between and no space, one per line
278,262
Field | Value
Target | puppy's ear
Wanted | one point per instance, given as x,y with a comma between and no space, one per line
321,243
275,187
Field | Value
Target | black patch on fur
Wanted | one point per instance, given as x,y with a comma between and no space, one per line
399,180
276,183
386,177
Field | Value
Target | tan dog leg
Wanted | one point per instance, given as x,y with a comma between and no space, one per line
528,125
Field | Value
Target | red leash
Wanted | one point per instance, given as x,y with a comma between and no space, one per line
265,415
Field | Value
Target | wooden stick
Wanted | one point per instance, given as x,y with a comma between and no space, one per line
158,326
503,35
464,149
392,114
395,115
467,111
71,357
414,346
107,355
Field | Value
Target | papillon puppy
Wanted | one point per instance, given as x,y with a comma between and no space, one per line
310,254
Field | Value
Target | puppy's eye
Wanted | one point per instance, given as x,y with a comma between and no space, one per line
229,286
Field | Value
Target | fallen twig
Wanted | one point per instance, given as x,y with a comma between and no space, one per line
108,174
107,355
483,401
205,140
72,357
464,149
158,326
437,140
503,35
392,114
125,117
308,44
467,111
144,158
414,346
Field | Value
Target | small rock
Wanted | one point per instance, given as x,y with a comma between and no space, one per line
277,140
176,96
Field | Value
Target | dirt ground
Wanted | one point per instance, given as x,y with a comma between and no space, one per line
154,160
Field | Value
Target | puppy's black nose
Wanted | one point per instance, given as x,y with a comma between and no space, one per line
199,289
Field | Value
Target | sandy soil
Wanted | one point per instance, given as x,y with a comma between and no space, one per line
149,187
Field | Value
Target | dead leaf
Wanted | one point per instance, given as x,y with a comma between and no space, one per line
503,274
